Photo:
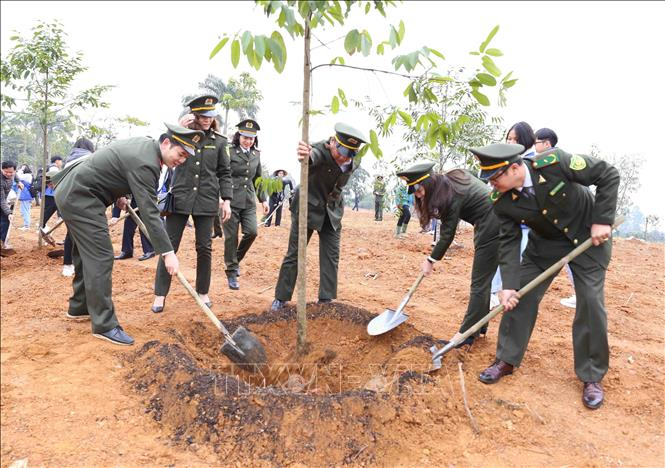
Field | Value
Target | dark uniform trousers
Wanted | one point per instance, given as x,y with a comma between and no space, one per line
590,343
329,241
217,225
378,208
234,252
275,205
50,208
175,225
92,256
128,231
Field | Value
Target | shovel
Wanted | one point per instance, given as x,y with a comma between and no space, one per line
5,249
242,347
46,233
390,318
437,354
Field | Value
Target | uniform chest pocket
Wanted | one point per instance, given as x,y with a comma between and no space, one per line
559,194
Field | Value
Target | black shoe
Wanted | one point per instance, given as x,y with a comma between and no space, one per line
238,271
324,301
147,256
158,309
208,305
116,336
233,283
123,256
277,305
483,330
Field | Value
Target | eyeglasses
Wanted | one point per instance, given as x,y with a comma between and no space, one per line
542,142
497,176
345,152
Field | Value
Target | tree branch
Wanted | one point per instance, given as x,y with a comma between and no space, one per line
411,77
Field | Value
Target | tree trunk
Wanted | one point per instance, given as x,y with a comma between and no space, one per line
44,162
226,119
301,344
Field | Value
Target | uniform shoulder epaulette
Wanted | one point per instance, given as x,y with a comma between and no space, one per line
495,195
544,160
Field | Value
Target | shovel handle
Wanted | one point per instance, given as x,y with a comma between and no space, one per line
413,288
186,284
526,289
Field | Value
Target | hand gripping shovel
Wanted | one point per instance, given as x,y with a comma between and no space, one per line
390,318
437,354
242,347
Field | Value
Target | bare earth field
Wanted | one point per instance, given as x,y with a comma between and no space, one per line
172,399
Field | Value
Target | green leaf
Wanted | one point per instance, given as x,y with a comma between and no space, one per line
480,97
486,79
342,96
246,40
352,41
392,37
380,49
494,52
406,118
373,140
441,79
260,46
278,50
235,53
509,83
484,45
437,53
218,47
400,34
474,53
365,43
334,105
367,7
489,65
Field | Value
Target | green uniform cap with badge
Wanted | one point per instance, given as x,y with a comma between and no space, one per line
248,128
416,174
496,158
349,140
204,105
187,138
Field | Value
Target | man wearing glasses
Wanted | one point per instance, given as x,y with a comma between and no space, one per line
331,163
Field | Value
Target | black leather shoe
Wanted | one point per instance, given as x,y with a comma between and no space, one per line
324,301
277,305
147,256
208,305
158,309
123,256
494,372
593,395
233,283
116,336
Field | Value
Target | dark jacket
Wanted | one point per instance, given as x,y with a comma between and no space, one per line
91,184
474,207
563,210
204,178
325,182
245,169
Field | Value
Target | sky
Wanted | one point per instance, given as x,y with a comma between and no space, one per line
592,71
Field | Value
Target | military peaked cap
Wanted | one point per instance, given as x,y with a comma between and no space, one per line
349,137
248,128
496,158
185,137
416,174
204,105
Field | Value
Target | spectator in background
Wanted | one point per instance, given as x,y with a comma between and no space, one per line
6,181
24,197
277,198
403,200
379,193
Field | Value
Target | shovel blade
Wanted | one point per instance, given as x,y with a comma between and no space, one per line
253,356
386,321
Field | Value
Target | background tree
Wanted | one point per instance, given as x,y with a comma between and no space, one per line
239,95
357,186
653,221
41,69
629,167
298,19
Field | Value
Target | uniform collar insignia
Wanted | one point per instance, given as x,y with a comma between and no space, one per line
515,196
541,179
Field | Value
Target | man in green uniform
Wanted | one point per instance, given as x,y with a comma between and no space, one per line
245,170
331,163
201,187
379,193
86,188
548,192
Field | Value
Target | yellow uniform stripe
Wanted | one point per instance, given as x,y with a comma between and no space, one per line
180,140
418,180
194,109
494,166
347,146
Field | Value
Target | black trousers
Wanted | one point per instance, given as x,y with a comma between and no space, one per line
175,225
128,231
405,216
49,208
274,202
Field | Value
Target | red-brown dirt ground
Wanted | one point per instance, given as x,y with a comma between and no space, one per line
172,399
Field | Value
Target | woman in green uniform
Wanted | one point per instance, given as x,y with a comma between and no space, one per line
245,169
450,197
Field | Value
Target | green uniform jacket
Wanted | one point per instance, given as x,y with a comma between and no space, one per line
564,208
204,178
126,166
245,169
474,207
325,182
379,188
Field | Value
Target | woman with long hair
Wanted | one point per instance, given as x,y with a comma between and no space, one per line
451,197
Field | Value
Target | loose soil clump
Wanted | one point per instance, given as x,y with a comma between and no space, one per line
349,384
